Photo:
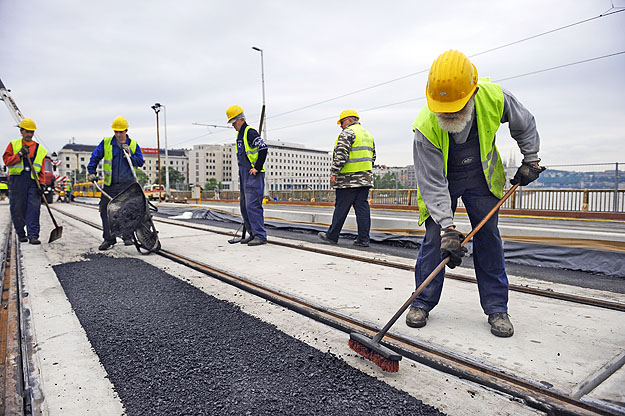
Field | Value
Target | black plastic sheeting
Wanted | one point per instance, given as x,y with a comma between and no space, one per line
604,262
171,349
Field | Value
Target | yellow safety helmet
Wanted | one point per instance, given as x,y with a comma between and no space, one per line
27,124
347,113
232,112
451,83
120,124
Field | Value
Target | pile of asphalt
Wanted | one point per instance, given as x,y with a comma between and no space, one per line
170,348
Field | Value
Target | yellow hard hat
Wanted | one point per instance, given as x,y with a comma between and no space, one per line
451,83
347,113
27,124
120,124
233,111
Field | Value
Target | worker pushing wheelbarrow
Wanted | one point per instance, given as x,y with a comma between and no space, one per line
130,215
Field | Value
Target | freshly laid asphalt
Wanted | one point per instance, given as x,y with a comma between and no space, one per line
170,348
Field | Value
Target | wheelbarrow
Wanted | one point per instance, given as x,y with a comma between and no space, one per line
130,216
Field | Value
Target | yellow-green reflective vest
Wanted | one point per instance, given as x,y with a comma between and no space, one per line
68,187
107,163
361,154
37,163
251,152
3,185
489,102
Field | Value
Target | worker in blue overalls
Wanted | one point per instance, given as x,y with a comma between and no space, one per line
25,203
251,155
455,156
117,172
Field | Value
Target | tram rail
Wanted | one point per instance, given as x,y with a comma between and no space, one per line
532,393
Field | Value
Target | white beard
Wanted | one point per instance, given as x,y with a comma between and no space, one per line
456,122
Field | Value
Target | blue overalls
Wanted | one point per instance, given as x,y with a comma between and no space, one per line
466,179
25,202
252,189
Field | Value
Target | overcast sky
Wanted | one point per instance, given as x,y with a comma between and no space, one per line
73,66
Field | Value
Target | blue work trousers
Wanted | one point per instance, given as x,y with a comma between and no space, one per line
345,199
488,257
25,204
252,191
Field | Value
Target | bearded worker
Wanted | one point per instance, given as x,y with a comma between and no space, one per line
455,156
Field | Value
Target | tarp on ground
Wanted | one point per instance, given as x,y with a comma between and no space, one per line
605,262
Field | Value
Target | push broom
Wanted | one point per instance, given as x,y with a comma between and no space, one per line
384,357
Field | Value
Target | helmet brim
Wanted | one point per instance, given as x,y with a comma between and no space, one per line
451,106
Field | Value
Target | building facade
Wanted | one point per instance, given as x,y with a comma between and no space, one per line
208,161
177,159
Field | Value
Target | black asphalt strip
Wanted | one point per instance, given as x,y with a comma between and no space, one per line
171,349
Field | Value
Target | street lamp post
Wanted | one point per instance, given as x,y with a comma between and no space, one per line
157,107
262,74
166,152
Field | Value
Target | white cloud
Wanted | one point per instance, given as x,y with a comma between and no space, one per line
74,66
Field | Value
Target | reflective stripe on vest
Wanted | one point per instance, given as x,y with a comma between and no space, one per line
251,152
489,102
37,163
360,157
107,163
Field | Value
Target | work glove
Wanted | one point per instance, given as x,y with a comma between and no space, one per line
526,174
126,148
92,177
450,246
24,151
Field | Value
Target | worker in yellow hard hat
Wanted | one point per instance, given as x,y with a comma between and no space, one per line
251,155
455,156
25,202
117,172
351,175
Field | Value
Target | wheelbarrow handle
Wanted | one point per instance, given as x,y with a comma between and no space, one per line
101,190
132,168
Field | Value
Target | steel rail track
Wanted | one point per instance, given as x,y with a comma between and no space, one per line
533,394
583,300
600,303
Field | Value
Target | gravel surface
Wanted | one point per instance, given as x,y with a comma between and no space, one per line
171,349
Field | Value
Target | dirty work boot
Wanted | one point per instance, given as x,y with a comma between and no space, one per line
106,244
360,244
325,237
500,324
34,240
257,242
416,317
247,239
22,238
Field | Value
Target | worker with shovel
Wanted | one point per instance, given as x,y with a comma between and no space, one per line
25,202
117,173
455,156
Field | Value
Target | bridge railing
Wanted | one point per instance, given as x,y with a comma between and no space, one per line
580,200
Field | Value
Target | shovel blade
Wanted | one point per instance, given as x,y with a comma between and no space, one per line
56,234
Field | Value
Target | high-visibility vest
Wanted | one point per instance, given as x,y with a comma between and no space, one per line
107,163
489,103
68,186
251,152
3,185
361,153
37,163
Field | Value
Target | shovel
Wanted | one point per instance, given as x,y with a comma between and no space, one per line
58,231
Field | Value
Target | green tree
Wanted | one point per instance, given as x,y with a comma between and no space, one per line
212,184
386,181
142,177
174,176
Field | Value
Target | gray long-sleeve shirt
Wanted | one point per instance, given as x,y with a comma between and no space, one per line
429,162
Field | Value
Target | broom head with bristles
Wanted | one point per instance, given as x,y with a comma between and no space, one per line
381,356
